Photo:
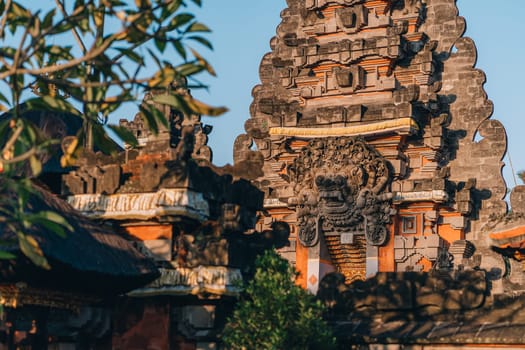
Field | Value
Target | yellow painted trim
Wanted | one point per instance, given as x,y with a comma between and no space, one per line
395,125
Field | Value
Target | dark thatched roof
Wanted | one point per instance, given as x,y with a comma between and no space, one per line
91,259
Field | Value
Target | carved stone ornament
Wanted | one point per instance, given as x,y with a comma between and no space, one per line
341,188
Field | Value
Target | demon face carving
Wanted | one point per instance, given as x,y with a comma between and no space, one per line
341,187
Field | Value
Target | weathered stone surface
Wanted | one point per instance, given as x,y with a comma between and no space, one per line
404,293
351,68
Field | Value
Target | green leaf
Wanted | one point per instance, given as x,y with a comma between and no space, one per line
274,313
197,27
58,51
188,104
8,52
163,77
46,216
4,128
124,134
6,256
63,27
149,119
83,24
36,165
160,43
202,41
103,141
31,249
47,102
159,116
174,6
48,19
205,109
79,3
4,99
180,20
52,226
135,57
188,69
181,50
18,11
175,101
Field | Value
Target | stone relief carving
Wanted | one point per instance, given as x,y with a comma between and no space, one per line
351,19
341,188
410,250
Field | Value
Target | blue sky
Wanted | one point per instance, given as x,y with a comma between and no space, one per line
242,30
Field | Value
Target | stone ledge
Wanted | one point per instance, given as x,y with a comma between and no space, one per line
142,206
405,126
219,280
437,196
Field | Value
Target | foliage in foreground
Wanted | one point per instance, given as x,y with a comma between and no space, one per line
275,313
85,59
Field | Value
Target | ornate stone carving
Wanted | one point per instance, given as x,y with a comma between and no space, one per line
351,19
410,250
180,201
183,281
385,71
95,179
341,187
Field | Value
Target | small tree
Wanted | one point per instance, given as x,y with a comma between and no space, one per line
275,313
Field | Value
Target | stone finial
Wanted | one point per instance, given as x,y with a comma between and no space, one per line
517,199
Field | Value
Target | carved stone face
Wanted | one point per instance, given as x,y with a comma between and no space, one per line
340,188
333,193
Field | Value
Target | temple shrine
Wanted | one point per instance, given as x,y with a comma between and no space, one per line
370,161
380,153
162,240
368,117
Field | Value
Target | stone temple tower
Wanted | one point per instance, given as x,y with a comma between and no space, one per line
377,141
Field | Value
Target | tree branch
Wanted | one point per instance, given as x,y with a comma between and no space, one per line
73,30
93,53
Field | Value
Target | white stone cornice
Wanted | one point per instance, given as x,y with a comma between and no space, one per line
218,280
438,196
403,126
142,206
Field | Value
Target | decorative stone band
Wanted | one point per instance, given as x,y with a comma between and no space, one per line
19,294
218,280
403,126
438,196
274,203
143,206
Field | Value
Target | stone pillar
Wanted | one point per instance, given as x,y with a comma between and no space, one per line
372,260
313,275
